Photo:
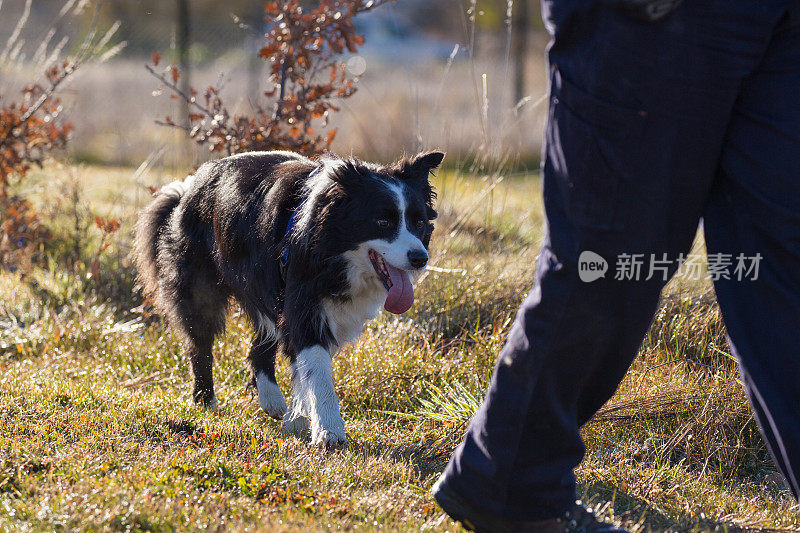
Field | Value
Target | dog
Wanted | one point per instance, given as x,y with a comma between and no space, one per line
310,250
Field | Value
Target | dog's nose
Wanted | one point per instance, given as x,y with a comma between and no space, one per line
417,258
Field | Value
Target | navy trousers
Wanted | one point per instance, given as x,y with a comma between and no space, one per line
652,127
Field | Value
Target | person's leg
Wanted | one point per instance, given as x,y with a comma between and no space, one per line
637,118
754,211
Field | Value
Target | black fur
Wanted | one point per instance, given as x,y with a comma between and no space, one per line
220,234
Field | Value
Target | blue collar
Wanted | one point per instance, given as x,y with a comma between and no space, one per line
290,224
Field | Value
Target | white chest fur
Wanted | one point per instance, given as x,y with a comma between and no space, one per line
346,318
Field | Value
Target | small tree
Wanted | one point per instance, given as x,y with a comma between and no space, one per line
302,48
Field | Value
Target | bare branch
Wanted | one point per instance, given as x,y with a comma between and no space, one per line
191,100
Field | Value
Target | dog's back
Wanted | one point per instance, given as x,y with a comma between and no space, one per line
208,197
191,245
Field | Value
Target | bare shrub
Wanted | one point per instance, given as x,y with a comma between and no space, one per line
33,128
30,130
301,47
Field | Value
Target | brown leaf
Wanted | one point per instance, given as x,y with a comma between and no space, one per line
111,226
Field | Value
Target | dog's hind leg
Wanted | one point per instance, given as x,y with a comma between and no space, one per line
202,360
262,361
198,311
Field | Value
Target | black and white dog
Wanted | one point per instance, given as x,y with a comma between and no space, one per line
309,249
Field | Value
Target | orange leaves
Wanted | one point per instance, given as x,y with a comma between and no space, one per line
59,71
353,41
156,58
107,225
29,131
32,128
269,51
21,231
331,136
300,46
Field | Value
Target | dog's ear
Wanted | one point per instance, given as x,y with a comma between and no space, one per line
416,172
426,162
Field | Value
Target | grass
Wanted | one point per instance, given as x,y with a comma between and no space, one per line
97,430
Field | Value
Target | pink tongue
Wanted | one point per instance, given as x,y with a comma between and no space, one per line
401,295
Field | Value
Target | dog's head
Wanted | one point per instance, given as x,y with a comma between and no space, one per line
380,218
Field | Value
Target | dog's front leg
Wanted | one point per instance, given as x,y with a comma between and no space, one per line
314,397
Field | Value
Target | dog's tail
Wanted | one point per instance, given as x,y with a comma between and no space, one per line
152,221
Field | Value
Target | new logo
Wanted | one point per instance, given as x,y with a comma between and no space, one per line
591,266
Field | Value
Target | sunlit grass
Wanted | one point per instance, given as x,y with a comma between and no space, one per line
97,429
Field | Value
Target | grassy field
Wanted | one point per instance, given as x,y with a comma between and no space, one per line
97,430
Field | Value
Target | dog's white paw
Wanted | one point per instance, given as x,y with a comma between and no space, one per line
328,431
315,397
270,397
328,438
295,424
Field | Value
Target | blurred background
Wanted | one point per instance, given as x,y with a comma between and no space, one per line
459,75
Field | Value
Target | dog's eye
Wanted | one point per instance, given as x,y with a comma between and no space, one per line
383,222
420,223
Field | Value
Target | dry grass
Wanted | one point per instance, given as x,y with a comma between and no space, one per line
97,430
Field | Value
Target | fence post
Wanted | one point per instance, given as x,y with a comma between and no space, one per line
184,42
520,29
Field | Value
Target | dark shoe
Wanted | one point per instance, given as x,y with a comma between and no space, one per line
577,519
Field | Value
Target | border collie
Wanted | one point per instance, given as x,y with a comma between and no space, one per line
310,249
